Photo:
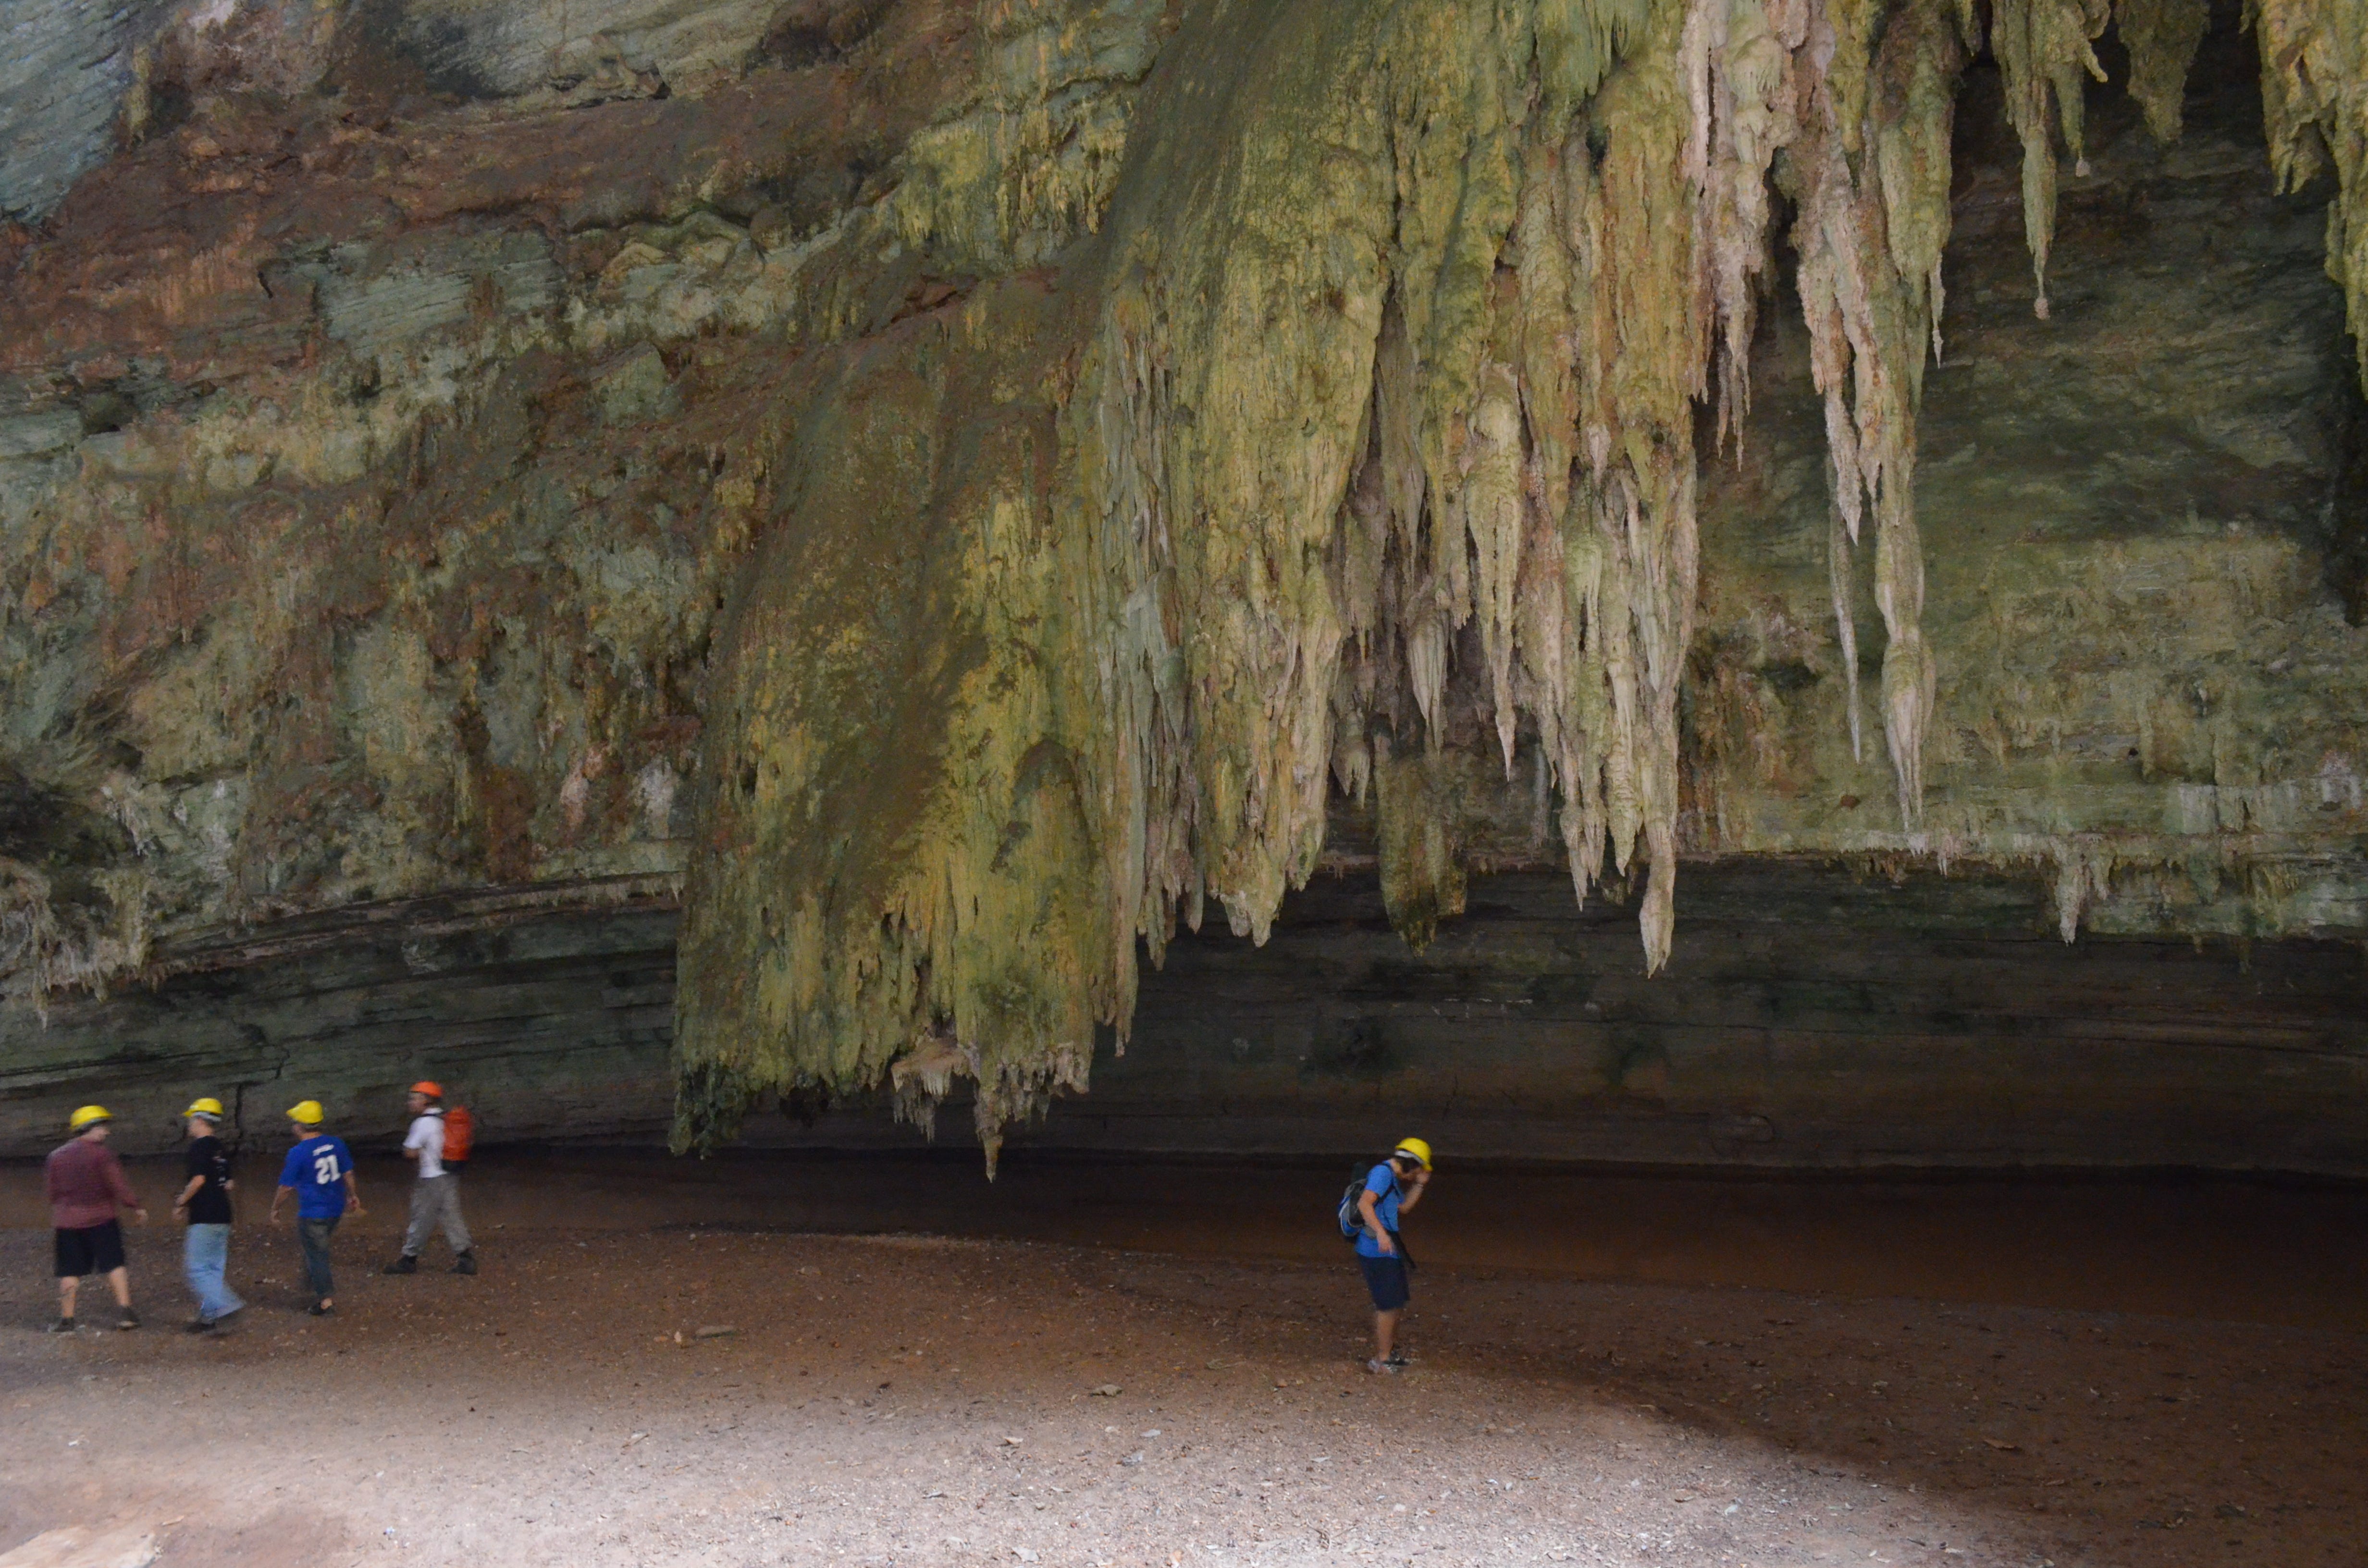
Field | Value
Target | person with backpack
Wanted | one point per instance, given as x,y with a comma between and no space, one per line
86,1185
1370,1212
436,1196
204,1205
320,1172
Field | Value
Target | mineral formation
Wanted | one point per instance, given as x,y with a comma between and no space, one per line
950,488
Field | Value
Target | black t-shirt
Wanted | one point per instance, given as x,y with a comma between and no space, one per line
209,1205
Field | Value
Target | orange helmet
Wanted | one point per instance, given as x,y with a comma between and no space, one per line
428,1086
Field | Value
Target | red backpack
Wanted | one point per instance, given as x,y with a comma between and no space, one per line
460,1132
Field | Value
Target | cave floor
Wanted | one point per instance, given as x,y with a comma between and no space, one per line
960,1401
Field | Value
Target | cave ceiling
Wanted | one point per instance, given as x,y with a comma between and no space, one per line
948,490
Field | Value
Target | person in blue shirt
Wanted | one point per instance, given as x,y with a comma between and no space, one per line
320,1172
1392,1189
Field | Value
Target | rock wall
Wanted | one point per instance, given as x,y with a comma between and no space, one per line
1811,1017
553,1026
952,492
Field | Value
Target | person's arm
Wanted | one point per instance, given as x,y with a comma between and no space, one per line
273,1217
187,1192
120,1186
353,1193
1410,1196
1365,1201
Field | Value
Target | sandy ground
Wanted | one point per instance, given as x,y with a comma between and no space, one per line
916,1400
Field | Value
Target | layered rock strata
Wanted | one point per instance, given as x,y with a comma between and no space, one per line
1810,1019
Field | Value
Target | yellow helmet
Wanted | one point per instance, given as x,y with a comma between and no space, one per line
206,1105
85,1116
309,1112
1413,1149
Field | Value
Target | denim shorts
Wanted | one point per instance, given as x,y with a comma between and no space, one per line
1385,1278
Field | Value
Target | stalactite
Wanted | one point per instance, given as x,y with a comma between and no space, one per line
1336,420
1645,333
1335,426
1869,170
1416,819
2042,47
2162,37
2315,102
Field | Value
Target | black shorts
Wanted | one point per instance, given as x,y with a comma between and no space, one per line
94,1249
1385,1278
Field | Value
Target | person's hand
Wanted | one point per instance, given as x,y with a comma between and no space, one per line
273,1217
179,1209
1389,1248
139,1216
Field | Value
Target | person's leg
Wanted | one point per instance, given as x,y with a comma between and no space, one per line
107,1257
423,1217
1385,1282
206,1258
313,1235
226,1299
328,1276
456,1228
70,1250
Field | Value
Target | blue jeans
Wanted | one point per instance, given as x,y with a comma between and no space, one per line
313,1235
204,1256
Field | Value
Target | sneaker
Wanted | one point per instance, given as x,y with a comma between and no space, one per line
1388,1366
320,1308
466,1264
64,1325
406,1264
129,1321
199,1325
1400,1360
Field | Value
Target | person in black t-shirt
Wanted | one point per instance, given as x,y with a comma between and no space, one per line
205,1204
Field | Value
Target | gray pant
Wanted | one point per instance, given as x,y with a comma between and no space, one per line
436,1200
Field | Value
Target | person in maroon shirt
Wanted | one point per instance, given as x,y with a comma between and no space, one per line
86,1186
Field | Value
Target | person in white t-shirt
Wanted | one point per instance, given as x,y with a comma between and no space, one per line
436,1196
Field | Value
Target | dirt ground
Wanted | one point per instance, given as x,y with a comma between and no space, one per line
919,1400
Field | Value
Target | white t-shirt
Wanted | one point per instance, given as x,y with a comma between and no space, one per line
427,1136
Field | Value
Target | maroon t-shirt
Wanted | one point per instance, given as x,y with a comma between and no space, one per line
87,1183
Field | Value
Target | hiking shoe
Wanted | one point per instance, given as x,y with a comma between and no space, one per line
320,1308
199,1325
406,1264
129,1321
1400,1360
1389,1367
64,1325
466,1264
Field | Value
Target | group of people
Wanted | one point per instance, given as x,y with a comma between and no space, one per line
87,1189
89,1194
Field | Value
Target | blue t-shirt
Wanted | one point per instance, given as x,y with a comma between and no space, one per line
1382,1182
316,1169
